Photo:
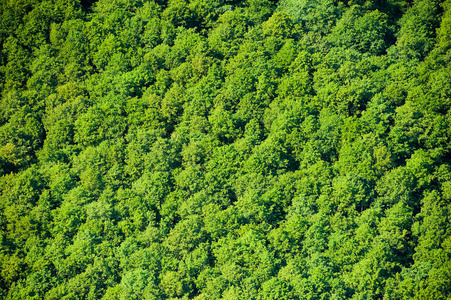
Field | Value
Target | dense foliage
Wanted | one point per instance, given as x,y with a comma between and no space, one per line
203,149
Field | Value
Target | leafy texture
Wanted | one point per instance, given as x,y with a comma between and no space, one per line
254,149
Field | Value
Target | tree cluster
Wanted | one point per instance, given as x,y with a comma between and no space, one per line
205,149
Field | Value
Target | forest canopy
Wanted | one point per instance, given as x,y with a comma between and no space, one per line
204,149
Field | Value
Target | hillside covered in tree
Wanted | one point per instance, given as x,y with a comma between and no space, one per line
204,149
